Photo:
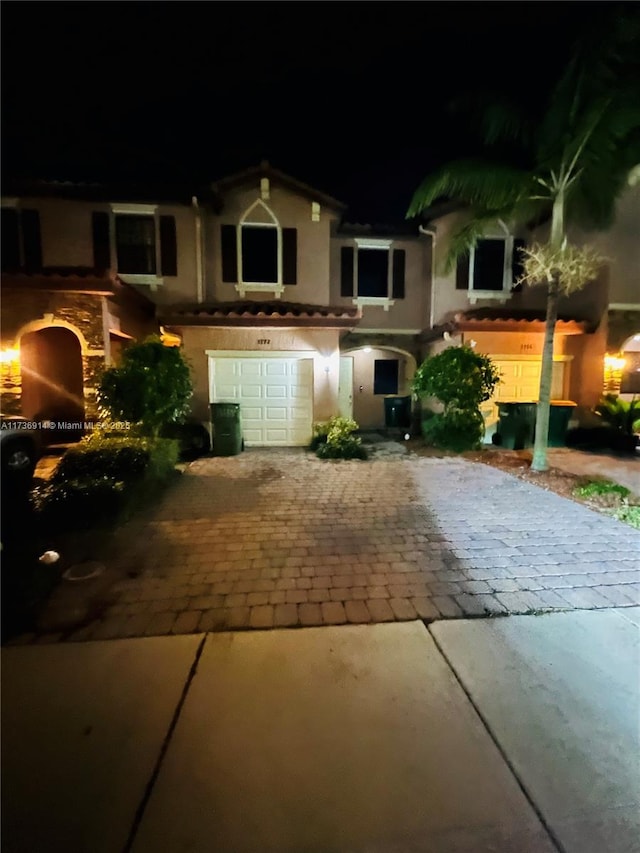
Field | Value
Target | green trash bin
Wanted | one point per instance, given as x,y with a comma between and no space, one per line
397,412
516,425
559,417
226,431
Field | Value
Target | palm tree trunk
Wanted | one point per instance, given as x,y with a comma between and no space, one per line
539,462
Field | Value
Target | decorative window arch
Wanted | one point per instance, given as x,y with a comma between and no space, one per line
258,254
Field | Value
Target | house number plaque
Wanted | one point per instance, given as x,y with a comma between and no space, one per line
264,340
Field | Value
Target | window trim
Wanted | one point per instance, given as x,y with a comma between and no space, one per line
359,243
507,278
153,280
241,286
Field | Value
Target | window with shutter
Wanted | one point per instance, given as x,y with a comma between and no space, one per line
136,244
10,247
168,246
289,256
21,247
101,240
462,272
397,288
229,252
346,270
32,243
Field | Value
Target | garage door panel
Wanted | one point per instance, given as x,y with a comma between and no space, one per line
275,396
250,391
275,414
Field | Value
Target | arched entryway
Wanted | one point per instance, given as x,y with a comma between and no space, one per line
52,385
630,380
378,371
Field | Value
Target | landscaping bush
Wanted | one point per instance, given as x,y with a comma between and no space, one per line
455,429
150,388
192,437
597,488
461,379
99,478
334,439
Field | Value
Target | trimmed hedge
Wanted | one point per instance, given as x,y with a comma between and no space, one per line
100,478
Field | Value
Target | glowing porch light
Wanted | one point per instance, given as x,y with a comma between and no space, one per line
614,362
7,356
366,349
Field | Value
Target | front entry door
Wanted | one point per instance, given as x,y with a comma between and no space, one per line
345,387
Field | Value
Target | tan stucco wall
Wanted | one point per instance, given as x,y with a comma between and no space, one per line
589,303
66,235
291,211
368,408
514,343
620,244
412,312
321,344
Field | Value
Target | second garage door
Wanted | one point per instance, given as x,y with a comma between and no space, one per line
275,396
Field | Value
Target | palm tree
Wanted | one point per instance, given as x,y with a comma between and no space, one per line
579,154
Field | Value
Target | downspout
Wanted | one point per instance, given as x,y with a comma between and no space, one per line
198,223
432,308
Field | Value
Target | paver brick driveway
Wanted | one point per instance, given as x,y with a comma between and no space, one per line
279,538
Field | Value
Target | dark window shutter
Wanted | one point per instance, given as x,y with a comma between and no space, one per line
398,274
462,273
289,256
346,271
10,246
228,245
31,240
101,242
168,246
517,261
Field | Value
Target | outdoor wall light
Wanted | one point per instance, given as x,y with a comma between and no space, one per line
9,355
366,349
614,362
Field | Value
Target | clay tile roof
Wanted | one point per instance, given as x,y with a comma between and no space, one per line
516,319
260,313
266,170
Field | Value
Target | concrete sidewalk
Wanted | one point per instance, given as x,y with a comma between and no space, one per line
353,739
609,466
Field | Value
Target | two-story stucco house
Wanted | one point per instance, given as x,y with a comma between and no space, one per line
278,302
479,303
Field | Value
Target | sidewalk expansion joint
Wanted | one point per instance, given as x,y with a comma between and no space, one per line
527,795
137,819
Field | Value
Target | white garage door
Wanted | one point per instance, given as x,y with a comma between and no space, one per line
521,380
275,396
520,383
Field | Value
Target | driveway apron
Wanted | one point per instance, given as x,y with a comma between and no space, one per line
278,538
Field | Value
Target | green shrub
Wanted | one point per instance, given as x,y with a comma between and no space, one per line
334,439
151,387
98,478
628,514
620,414
461,379
596,488
347,447
458,376
69,504
455,429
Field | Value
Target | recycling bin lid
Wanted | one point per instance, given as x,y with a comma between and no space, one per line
568,403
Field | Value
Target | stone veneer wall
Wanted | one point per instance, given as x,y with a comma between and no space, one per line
81,311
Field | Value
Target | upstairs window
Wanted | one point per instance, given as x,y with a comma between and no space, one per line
257,253
372,272
137,242
21,247
491,269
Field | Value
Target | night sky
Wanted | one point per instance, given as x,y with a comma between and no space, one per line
349,97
